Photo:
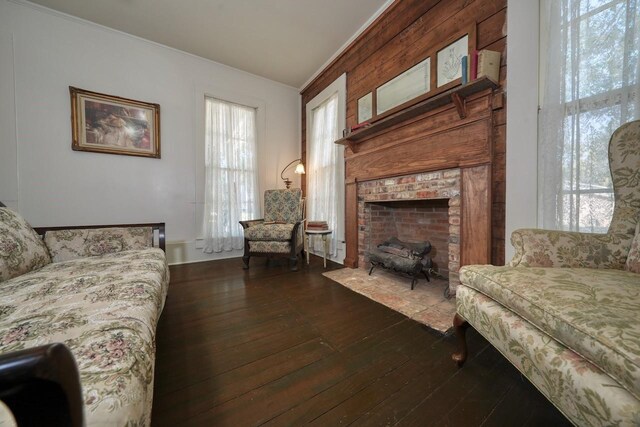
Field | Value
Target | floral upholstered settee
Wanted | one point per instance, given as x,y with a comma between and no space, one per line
566,311
98,291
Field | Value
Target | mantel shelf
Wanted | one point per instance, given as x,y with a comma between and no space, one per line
456,95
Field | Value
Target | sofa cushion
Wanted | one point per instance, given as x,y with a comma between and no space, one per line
105,309
65,245
582,391
595,312
269,232
633,260
21,249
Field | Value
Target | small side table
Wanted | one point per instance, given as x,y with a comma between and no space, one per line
307,240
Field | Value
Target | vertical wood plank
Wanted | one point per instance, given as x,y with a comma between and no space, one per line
476,215
351,224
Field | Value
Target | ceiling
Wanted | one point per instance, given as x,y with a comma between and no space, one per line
282,40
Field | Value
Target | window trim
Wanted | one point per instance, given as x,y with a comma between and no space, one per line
337,86
199,124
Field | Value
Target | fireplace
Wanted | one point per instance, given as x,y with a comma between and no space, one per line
447,153
413,208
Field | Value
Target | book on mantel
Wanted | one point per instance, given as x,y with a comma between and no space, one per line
317,225
489,64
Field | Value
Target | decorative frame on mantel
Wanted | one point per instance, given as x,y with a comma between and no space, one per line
431,54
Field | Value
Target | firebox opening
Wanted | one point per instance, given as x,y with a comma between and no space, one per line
411,221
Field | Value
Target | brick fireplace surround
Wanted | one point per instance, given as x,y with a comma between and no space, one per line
415,207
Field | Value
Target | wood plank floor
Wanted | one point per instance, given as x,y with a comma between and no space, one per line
274,347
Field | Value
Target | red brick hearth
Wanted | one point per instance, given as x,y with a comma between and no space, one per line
424,206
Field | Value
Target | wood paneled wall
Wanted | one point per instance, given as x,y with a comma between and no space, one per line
400,38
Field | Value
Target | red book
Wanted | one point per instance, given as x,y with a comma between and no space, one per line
474,65
360,125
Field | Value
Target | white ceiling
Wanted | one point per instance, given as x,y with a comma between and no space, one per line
282,40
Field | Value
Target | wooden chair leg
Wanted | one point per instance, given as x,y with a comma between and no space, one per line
294,263
460,327
246,256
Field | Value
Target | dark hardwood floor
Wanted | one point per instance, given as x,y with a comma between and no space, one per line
275,347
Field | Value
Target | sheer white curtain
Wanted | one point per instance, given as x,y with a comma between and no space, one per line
325,170
591,85
231,190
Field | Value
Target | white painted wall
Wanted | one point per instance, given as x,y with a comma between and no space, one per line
522,117
43,52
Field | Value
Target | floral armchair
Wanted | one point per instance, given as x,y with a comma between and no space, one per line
549,248
280,232
565,311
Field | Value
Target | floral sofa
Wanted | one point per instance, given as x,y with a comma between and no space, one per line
98,291
566,311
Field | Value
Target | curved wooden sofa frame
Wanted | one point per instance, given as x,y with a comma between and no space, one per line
41,386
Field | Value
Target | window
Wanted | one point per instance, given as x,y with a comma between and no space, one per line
231,189
590,87
325,163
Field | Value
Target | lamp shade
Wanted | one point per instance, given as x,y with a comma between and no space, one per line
300,169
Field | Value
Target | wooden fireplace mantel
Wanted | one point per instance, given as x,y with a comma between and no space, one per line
457,96
428,138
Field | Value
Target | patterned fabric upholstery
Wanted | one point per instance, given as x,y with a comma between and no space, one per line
273,235
21,249
65,245
598,318
105,309
565,312
552,248
283,205
633,261
270,247
580,390
545,248
277,232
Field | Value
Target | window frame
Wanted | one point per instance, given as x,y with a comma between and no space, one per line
224,94
338,86
572,110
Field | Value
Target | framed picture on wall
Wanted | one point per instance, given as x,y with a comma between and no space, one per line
110,124
449,60
365,107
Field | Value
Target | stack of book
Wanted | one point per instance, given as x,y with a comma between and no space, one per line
479,64
317,225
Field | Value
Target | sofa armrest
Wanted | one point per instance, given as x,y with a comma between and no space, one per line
553,248
41,386
249,223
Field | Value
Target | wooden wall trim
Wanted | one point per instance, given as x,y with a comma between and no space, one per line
475,207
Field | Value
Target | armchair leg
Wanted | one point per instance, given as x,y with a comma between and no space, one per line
460,327
245,258
294,263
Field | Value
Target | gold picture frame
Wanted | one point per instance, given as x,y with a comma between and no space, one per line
110,124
